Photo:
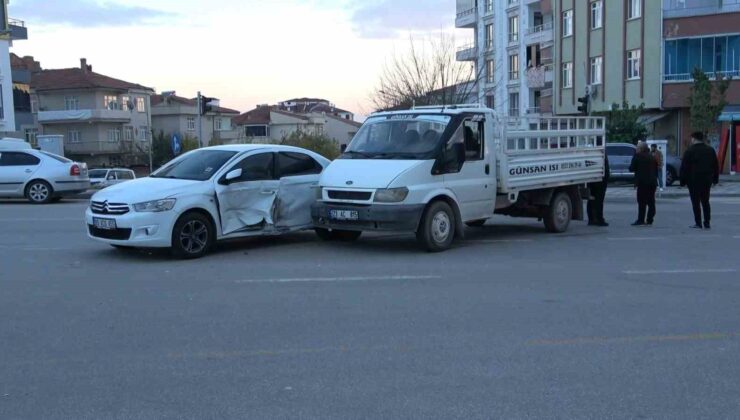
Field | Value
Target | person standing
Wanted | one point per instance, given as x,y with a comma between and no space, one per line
699,170
645,169
595,206
660,160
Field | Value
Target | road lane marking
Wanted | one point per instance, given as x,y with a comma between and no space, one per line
688,271
337,279
635,339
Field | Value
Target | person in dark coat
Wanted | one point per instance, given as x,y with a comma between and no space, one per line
598,191
645,169
699,170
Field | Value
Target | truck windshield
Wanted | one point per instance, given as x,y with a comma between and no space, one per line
403,136
198,165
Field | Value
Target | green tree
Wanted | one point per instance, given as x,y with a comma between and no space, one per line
707,101
315,142
623,125
162,147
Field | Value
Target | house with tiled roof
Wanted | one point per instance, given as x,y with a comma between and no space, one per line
104,121
172,114
273,123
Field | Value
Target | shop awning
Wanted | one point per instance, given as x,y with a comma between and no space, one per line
651,117
730,113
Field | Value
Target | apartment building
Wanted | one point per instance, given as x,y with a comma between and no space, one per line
10,30
172,114
104,121
314,105
23,68
272,123
703,34
512,48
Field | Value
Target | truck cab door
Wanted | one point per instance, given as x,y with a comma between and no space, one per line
245,202
473,183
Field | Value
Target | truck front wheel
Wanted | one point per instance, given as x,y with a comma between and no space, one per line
437,229
559,214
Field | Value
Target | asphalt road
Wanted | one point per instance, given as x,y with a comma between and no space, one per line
512,323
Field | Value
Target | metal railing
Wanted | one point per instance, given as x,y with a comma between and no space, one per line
466,46
533,110
684,8
16,22
465,13
547,26
689,77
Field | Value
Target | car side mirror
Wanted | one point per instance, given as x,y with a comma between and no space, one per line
232,176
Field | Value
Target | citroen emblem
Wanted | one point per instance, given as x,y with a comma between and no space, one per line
350,182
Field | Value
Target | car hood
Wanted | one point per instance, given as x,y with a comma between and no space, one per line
146,189
365,173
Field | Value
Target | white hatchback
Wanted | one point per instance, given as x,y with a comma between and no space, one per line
102,178
210,194
40,176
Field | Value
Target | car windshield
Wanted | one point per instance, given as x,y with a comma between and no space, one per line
57,157
401,136
198,165
98,173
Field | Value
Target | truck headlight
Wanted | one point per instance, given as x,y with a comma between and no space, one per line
392,195
155,206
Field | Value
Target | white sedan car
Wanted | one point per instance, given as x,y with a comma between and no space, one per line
40,176
101,178
210,194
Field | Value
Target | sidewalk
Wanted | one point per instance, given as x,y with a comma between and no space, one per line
726,188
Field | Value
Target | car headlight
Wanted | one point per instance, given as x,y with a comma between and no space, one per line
392,195
155,206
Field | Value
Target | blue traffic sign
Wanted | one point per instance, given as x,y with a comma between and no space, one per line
176,144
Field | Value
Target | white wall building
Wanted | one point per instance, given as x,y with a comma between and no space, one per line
172,114
11,30
512,47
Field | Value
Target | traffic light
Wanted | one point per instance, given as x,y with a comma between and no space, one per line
206,104
583,108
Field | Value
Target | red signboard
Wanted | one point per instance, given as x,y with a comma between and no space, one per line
737,148
723,146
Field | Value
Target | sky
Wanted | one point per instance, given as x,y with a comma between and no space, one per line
244,52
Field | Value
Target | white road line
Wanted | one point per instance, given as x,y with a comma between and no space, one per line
688,271
337,279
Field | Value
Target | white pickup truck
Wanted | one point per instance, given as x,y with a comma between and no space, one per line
433,170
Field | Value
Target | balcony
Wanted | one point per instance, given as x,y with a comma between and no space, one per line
689,78
467,18
688,8
84,115
17,29
468,52
540,34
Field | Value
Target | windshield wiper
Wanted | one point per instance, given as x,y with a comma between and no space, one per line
363,154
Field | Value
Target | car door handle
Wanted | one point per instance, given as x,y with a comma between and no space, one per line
28,171
488,169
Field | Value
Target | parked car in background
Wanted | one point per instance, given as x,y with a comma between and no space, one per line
101,178
620,156
39,176
209,194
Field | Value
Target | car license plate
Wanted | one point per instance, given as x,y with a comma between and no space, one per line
106,224
344,215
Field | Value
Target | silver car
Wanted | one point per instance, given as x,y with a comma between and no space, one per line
39,176
620,157
101,178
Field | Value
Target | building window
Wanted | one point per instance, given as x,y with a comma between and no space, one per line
31,136
514,67
114,135
218,124
513,28
719,54
489,36
125,102
567,75
71,103
257,131
319,130
567,23
140,105
596,64
111,102
191,123
597,13
634,9
490,71
34,106
491,101
489,6
73,136
633,64
514,104
143,133
128,133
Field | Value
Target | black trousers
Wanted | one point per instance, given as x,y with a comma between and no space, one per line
700,200
646,201
595,207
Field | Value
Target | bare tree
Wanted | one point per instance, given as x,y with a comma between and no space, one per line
427,74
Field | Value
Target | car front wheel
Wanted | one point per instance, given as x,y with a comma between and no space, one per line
39,192
193,236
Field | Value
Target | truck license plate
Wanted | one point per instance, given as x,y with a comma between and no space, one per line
344,215
105,224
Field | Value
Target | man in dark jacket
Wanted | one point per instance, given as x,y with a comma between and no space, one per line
645,169
596,205
699,170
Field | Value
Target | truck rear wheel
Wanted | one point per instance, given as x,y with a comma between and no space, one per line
559,214
437,229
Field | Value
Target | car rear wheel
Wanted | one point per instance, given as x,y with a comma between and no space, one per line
338,235
193,236
39,192
559,214
437,229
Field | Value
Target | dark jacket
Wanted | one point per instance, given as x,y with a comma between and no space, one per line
700,166
607,170
645,169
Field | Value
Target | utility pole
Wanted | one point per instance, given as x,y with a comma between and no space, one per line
200,120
